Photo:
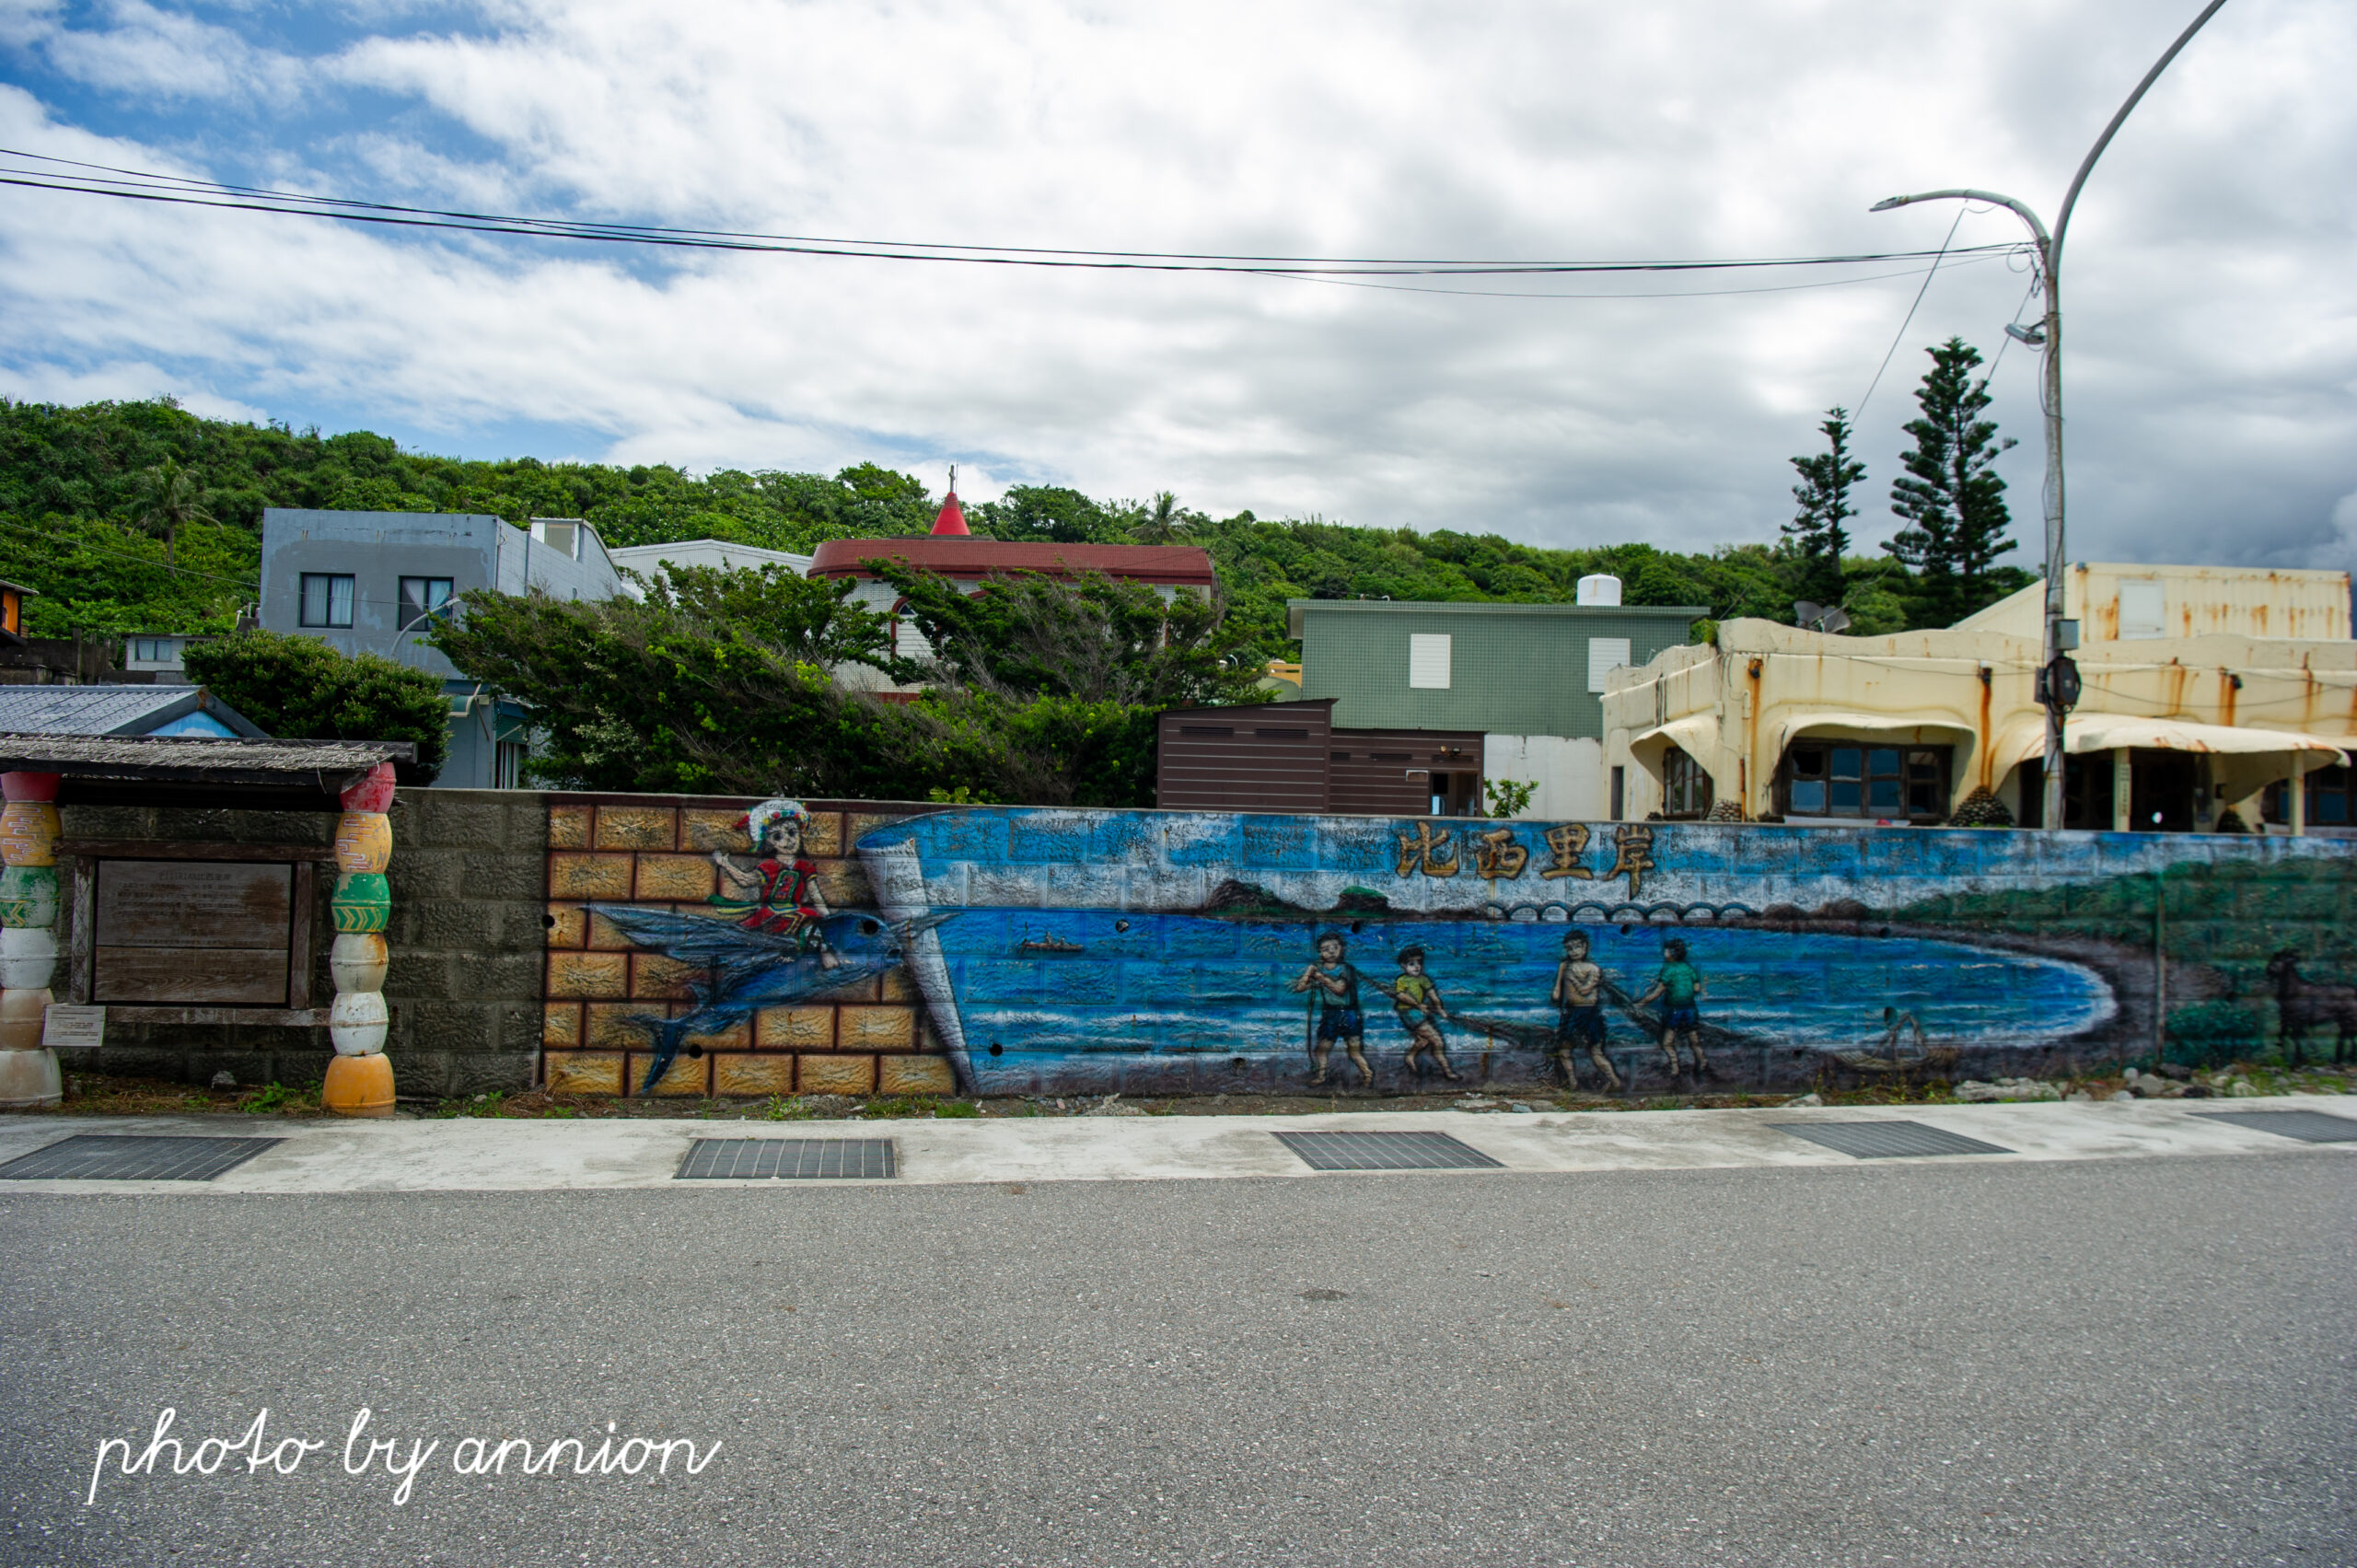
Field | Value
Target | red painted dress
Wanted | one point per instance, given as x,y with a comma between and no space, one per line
784,904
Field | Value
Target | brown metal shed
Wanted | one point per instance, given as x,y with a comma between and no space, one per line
1402,773
1288,757
1264,756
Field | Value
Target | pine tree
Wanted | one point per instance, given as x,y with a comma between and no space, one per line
1953,500
1816,529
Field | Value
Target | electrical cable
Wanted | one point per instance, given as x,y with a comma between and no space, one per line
181,191
1900,335
1669,294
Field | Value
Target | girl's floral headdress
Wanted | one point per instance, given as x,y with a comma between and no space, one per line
758,822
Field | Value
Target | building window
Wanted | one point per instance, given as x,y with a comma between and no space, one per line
327,599
1604,655
508,767
1886,782
1428,661
1684,787
422,597
2332,800
2140,609
165,651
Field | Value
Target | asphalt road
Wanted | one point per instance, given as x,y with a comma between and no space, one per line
2145,1361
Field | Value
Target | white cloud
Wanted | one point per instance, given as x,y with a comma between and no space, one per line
2212,328
144,51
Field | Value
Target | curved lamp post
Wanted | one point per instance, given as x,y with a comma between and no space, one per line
2058,682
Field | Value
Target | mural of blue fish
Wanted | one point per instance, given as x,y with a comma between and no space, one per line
746,970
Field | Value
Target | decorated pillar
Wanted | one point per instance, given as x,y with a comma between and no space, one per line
28,830
360,1079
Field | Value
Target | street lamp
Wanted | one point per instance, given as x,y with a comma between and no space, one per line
2058,685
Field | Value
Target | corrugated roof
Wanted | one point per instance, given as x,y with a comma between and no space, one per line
91,710
954,557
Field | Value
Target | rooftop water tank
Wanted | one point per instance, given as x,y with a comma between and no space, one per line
1603,587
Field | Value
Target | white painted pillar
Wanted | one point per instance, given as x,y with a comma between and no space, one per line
2297,788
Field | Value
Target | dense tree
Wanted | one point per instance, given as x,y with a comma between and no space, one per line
1094,639
73,482
1815,532
722,686
1952,498
298,688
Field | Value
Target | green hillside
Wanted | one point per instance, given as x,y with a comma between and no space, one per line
79,521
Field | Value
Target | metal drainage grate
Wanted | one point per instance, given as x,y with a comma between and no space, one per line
1887,1140
2309,1126
752,1159
1385,1151
105,1157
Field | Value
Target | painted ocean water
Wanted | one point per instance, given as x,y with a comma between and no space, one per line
1099,1001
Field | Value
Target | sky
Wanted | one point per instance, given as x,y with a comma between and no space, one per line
2208,291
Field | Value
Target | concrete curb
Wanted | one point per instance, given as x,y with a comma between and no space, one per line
466,1155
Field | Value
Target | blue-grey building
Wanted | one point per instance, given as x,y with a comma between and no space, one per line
371,581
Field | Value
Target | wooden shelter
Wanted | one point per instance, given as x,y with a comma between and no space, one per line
154,931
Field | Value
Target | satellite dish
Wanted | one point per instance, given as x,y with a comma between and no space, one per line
1804,612
1834,621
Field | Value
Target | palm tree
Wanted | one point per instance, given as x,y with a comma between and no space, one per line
1162,522
169,500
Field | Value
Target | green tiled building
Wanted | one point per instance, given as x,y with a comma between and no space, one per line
1528,678
1502,668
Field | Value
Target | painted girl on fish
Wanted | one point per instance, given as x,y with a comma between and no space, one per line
776,890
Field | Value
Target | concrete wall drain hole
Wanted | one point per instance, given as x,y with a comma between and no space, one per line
1887,1140
111,1157
2309,1126
1385,1151
788,1159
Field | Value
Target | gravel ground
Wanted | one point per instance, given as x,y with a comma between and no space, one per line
2141,1362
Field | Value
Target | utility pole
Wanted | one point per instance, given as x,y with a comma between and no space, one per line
2058,676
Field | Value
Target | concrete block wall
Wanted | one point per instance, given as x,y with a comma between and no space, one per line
467,934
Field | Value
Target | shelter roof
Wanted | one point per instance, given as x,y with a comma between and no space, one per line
328,765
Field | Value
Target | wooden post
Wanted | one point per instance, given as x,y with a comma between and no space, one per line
360,1079
29,893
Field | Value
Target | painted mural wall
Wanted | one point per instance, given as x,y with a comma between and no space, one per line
762,948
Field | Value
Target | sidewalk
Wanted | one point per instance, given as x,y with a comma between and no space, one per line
464,1154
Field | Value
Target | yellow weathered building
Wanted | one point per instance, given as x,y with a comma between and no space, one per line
2205,687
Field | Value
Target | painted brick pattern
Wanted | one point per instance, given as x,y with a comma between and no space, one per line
864,1038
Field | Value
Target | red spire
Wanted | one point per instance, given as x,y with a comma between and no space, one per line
953,516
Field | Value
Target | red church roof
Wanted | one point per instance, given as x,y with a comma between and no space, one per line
967,557
952,520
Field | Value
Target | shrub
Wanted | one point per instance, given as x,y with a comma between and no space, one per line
300,689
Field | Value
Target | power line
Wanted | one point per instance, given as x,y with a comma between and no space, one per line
1897,337
181,191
